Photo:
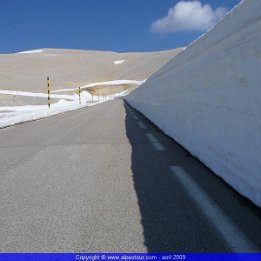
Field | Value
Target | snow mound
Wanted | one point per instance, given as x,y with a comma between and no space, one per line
208,98
33,51
119,62
115,82
35,94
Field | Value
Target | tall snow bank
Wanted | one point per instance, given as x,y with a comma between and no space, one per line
208,98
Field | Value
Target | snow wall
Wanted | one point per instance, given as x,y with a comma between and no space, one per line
208,98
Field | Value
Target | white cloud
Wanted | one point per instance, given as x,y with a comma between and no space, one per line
188,16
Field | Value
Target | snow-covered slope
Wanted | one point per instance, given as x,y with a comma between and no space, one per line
27,71
32,51
208,98
68,69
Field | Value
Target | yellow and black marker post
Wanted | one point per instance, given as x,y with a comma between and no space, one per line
48,86
80,95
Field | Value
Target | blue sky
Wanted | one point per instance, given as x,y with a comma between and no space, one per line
116,25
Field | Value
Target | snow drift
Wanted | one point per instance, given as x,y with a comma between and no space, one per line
208,98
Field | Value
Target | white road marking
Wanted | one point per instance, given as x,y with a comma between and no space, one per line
142,126
229,231
155,143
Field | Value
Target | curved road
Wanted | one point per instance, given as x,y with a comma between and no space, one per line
105,179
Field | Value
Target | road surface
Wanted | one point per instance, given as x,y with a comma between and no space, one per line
105,179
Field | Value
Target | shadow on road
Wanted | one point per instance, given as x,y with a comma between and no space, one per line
171,220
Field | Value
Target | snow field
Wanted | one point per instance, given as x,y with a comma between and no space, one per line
10,115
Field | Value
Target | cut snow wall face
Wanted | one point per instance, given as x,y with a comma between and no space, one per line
208,99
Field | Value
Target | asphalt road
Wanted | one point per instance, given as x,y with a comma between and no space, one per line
105,179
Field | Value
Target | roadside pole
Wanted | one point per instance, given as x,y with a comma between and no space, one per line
80,95
48,90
